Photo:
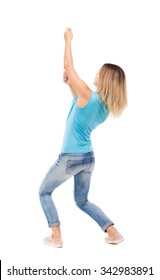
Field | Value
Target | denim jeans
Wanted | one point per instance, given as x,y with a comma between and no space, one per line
67,165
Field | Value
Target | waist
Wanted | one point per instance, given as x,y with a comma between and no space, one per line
80,154
76,147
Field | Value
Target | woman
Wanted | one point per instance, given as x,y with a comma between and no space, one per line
88,110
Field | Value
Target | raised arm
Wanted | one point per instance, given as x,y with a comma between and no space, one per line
79,86
67,81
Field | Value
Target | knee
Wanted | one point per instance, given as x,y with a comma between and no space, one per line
81,203
42,190
40,193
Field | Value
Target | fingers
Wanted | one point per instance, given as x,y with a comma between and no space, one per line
68,35
69,30
65,78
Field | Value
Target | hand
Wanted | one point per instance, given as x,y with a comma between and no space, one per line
65,78
68,35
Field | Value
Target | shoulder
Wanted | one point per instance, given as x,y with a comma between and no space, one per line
96,97
93,100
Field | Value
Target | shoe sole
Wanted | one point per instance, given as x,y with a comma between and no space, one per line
114,241
52,245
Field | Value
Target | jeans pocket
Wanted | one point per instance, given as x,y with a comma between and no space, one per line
90,166
74,166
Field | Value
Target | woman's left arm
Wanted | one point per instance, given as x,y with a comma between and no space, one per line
79,86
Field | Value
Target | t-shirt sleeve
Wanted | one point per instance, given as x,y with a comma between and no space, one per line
74,99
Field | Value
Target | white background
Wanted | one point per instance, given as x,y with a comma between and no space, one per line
33,108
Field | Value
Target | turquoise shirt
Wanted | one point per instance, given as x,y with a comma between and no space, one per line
80,123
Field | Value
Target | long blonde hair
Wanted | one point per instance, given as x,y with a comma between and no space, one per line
112,88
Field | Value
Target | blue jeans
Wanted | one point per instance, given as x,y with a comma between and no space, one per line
67,165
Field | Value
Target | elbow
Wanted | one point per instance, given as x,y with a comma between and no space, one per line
67,66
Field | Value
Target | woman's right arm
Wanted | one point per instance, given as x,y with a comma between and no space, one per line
79,86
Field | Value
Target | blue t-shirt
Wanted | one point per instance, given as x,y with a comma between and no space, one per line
80,123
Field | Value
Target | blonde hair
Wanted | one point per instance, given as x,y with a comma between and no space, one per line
112,88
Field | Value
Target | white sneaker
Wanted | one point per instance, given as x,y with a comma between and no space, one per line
116,239
58,243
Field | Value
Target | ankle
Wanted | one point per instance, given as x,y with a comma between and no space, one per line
56,236
56,232
112,231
